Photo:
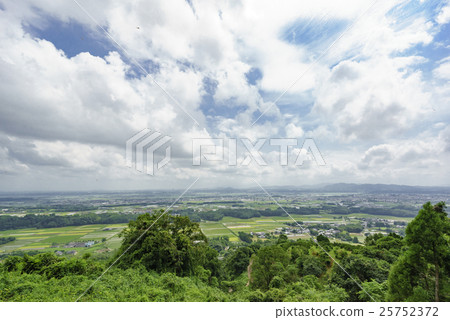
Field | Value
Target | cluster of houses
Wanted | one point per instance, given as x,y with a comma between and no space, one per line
70,253
89,243
260,235
286,231
329,232
289,231
86,244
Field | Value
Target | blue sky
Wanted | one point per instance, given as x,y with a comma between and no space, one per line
71,37
361,79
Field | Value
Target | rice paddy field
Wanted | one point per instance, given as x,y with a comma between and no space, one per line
230,226
54,239
106,236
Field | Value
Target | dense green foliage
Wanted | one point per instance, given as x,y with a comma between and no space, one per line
217,215
167,243
423,270
167,258
4,240
244,236
54,221
398,211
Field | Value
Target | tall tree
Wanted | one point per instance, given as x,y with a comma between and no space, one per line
428,250
164,243
267,263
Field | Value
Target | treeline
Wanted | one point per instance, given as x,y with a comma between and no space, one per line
396,211
54,221
4,240
244,213
399,211
69,207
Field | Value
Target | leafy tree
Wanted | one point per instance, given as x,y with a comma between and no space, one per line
6,240
219,243
427,238
282,238
405,276
362,269
352,227
11,263
390,242
210,215
243,236
163,243
277,282
371,240
312,265
274,295
376,290
267,263
237,262
323,241
51,266
310,288
256,296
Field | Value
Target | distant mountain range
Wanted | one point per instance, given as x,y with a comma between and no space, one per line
367,188
336,187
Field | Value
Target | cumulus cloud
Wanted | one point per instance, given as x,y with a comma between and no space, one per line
85,98
444,15
371,99
443,70
362,87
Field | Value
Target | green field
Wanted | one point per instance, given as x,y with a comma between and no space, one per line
229,226
52,239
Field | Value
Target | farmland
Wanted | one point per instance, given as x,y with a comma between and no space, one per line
58,239
106,236
54,246
69,221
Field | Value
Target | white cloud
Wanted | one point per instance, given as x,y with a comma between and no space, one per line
293,131
371,99
443,70
69,117
444,15
85,98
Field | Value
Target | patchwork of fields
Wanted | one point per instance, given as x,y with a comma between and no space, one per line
106,236
52,239
230,227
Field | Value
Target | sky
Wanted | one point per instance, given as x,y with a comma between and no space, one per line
368,81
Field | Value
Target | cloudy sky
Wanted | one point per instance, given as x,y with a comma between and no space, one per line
369,81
